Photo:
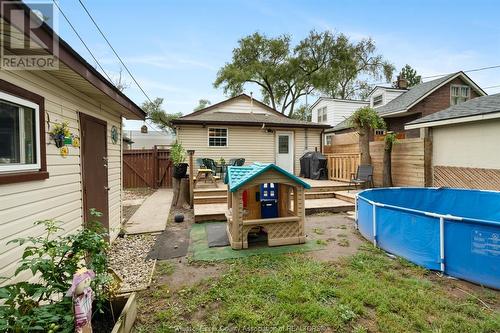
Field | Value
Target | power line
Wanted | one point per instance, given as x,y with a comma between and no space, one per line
81,40
114,51
490,87
441,75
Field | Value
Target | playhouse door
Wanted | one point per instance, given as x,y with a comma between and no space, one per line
284,150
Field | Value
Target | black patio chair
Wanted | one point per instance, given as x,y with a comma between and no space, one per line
236,162
210,164
364,175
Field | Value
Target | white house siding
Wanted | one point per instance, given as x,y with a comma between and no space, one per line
249,142
388,94
337,110
468,145
60,196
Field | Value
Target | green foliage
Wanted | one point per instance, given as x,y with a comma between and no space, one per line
408,73
53,259
366,117
156,113
284,73
61,129
302,113
390,139
202,103
177,154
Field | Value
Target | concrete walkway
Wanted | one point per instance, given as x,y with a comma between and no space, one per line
153,214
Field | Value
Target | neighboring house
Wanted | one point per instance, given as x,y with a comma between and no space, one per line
36,181
242,127
465,140
149,140
418,101
332,111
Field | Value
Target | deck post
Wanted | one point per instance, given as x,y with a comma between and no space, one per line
191,178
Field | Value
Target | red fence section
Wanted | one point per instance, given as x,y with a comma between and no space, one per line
147,168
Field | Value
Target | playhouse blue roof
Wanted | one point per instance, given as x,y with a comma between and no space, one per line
237,176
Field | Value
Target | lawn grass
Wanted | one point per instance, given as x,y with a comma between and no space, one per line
367,292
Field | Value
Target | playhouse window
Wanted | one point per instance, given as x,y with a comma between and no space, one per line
217,137
19,128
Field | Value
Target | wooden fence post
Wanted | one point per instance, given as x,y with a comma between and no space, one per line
191,178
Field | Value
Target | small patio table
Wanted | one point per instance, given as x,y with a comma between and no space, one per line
207,175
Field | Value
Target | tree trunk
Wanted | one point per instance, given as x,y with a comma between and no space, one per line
181,192
364,145
387,171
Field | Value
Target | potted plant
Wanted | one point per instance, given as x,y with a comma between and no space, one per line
222,161
178,157
59,132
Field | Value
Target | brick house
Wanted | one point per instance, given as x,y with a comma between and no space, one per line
417,102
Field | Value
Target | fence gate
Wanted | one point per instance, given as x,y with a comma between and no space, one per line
147,168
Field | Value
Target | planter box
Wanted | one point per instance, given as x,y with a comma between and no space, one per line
128,313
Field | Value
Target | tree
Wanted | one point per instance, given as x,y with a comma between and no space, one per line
364,120
389,141
303,112
353,66
119,82
155,113
322,61
202,103
408,73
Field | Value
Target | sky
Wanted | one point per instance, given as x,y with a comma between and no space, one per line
174,48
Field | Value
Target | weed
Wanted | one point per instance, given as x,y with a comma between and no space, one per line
343,242
318,231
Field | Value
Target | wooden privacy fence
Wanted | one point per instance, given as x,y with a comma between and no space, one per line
340,166
147,168
411,162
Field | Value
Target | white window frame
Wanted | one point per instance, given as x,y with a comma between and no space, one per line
208,137
459,86
23,102
322,117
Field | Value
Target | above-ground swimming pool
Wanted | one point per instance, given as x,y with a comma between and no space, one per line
450,230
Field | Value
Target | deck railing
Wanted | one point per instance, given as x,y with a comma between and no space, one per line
340,166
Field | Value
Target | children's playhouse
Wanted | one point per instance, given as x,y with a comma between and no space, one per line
264,198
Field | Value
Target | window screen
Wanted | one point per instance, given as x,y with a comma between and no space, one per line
217,137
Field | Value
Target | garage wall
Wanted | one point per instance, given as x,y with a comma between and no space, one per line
467,155
60,196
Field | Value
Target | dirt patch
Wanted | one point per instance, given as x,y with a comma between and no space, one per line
337,231
137,193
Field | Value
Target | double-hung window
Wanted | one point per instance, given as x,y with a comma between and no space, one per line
322,115
19,134
459,94
217,137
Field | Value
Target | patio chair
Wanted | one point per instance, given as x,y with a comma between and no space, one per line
199,162
364,175
236,162
210,164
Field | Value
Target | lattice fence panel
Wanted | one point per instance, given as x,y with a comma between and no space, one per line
474,178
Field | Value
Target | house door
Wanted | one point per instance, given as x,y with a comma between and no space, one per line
94,161
284,150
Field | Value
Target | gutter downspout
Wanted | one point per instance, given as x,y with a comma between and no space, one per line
321,141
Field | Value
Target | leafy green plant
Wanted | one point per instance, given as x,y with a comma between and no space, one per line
177,154
364,120
53,259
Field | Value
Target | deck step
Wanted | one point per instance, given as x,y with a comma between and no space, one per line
210,212
210,199
209,192
328,188
331,205
346,196
320,195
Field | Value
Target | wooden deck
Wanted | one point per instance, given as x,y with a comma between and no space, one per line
210,201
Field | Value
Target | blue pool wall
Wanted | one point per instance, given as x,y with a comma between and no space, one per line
407,224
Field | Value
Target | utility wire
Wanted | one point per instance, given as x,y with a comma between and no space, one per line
98,63
114,51
81,40
490,87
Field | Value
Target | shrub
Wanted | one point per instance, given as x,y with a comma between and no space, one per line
177,154
53,259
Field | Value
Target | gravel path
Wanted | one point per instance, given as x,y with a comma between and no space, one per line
127,257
